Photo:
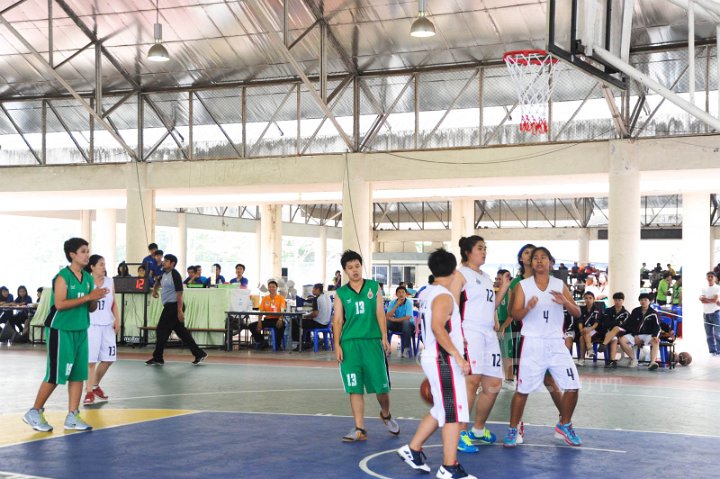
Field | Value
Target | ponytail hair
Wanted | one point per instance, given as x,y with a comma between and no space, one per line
519,257
94,259
466,245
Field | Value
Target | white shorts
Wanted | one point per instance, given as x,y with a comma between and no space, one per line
630,339
483,353
592,333
447,384
570,334
101,343
538,356
645,338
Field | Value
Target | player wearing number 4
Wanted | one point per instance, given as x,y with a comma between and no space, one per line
445,367
73,297
360,337
104,325
539,303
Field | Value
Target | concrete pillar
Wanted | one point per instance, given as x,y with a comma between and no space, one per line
139,214
182,242
86,225
462,223
584,245
624,221
258,251
357,213
695,262
270,242
323,255
105,240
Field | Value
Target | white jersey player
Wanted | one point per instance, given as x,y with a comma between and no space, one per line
539,303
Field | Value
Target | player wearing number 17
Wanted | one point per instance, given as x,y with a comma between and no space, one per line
360,338
539,304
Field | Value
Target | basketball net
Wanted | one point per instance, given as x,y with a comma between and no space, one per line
531,72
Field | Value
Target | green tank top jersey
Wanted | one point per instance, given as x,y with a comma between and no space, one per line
360,311
78,318
503,308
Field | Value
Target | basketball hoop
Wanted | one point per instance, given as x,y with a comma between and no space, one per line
531,71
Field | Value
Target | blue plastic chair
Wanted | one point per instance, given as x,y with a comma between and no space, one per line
327,334
272,338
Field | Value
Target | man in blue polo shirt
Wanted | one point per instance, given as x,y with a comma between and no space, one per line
400,318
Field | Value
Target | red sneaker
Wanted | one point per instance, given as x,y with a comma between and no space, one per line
99,393
89,399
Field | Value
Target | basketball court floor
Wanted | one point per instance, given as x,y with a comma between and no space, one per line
276,415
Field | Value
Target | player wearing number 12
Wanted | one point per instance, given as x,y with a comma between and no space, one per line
360,337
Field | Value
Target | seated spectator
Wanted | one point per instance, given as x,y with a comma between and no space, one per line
202,278
574,270
671,270
400,319
411,289
589,321
643,327
666,333
603,290
39,294
611,323
239,278
273,302
21,318
591,285
318,318
192,276
141,272
215,276
6,299
644,272
122,270
571,330
337,279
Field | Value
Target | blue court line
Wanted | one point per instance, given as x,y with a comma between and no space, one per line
242,445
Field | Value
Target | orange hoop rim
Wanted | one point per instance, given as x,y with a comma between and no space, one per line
520,57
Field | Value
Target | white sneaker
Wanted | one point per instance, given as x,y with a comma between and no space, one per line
520,438
509,384
73,421
390,424
633,363
36,419
453,472
414,459
581,362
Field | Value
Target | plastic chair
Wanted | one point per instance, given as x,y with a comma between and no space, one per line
273,332
327,334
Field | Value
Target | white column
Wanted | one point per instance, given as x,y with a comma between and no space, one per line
258,252
584,245
462,223
357,213
695,262
323,255
86,225
139,214
182,242
624,221
105,239
270,242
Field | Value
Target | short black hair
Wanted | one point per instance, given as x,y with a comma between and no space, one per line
442,263
191,269
431,279
644,296
401,288
72,245
240,265
501,272
619,295
158,252
172,258
272,281
318,286
217,266
589,293
349,255
152,246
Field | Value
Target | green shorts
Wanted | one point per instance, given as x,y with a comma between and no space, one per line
509,344
67,356
364,367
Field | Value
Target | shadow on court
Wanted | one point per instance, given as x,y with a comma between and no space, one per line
247,445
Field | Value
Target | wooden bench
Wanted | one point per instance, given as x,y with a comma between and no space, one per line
146,329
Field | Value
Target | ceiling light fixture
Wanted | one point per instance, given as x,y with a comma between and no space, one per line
158,52
422,26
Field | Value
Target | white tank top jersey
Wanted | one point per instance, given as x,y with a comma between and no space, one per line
546,319
453,326
477,301
103,315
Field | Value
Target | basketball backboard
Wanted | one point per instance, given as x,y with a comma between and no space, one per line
576,27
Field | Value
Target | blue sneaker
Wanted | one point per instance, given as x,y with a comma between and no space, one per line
567,434
486,437
510,439
465,444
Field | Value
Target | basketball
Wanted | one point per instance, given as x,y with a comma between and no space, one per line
684,358
425,392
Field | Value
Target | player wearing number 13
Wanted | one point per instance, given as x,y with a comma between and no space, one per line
104,325
539,303
360,338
